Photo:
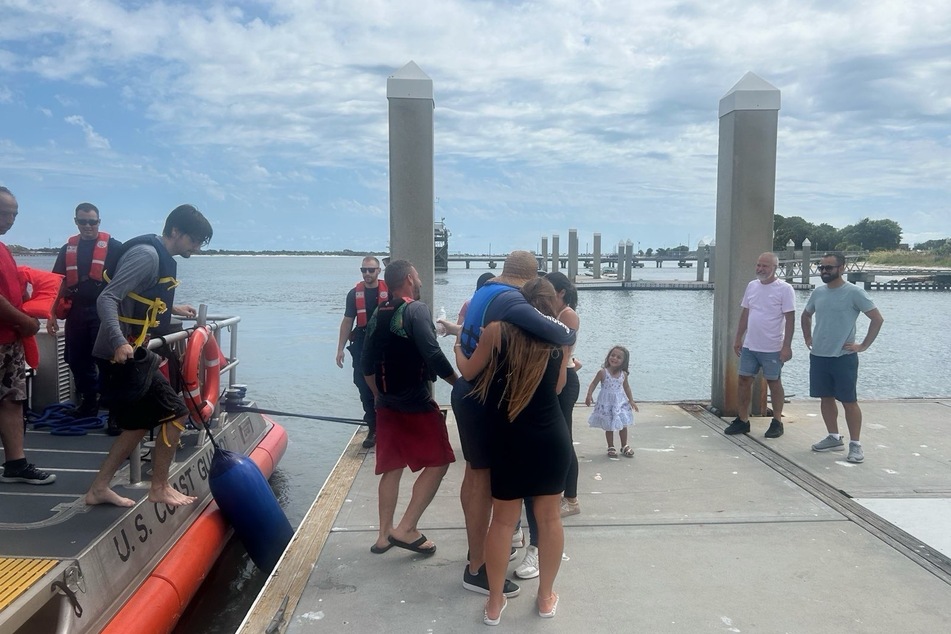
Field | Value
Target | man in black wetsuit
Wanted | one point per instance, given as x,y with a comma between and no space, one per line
400,359
498,300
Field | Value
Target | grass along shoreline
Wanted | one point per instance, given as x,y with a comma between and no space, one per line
909,258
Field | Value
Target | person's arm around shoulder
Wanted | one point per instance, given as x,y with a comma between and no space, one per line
630,396
491,339
511,306
875,325
589,398
741,330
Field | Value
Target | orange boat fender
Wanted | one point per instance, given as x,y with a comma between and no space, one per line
201,373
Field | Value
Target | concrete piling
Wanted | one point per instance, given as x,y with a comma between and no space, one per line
746,183
409,92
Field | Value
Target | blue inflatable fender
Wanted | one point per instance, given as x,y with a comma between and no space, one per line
246,499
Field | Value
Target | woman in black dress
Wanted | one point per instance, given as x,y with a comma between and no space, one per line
519,378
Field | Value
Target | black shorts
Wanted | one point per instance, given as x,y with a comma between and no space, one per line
473,426
834,377
161,404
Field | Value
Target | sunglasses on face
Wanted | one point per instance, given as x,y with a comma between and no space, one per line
82,222
828,267
369,269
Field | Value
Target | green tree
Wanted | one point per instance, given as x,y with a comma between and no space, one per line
872,234
649,252
934,245
824,237
793,228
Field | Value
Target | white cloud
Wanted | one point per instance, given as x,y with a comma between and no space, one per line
547,113
93,140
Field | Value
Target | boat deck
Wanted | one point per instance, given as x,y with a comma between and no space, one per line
50,538
698,532
33,519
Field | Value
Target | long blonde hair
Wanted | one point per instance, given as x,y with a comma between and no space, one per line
526,356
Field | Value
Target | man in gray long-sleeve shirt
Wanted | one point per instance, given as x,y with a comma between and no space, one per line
400,358
138,303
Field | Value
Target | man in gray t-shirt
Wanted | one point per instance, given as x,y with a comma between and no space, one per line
834,362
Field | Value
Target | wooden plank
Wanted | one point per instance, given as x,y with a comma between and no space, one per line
280,595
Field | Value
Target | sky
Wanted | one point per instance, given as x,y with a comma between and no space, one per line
271,116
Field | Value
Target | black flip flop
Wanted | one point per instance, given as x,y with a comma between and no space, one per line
415,546
376,550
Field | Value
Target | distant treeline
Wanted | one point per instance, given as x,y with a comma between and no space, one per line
16,249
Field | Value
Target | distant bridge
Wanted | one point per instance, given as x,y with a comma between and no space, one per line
854,261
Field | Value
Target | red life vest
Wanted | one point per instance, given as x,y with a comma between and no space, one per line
362,301
10,289
98,259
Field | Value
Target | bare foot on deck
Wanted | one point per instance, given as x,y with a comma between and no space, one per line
107,496
170,496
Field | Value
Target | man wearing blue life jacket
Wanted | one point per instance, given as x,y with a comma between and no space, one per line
498,300
138,303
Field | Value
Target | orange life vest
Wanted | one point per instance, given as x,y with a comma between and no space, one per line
98,259
362,301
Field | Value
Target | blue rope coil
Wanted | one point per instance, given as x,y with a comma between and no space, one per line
61,420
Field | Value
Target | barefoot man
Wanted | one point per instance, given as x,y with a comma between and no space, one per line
143,282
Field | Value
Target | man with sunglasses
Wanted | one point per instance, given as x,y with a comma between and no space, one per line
82,261
834,362
362,300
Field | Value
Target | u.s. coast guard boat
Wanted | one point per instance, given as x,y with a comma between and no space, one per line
68,568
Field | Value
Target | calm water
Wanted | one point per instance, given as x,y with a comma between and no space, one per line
291,309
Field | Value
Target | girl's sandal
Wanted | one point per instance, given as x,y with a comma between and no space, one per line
612,452
627,451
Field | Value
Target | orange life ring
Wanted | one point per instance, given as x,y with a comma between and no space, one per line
202,374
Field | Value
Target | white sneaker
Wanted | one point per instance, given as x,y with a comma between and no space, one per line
518,540
528,569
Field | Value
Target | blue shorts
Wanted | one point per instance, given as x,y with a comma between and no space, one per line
834,377
751,361
472,423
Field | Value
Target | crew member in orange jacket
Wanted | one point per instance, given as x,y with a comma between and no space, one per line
361,302
82,261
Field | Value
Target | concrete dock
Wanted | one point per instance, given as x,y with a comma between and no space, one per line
699,532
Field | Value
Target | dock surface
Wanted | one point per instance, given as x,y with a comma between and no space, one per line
699,532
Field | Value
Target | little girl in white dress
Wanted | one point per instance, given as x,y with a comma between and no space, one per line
615,407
